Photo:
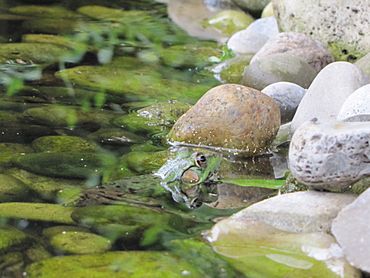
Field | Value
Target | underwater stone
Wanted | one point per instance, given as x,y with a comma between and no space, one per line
115,136
78,242
63,144
12,189
231,71
296,44
330,156
144,162
277,68
356,108
352,231
10,237
37,212
43,11
11,150
230,116
327,93
253,5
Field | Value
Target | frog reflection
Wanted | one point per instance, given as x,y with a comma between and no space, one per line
190,176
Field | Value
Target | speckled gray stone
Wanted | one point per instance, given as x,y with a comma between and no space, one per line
356,108
252,39
330,156
253,5
327,93
344,24
296,44
351,229
287,95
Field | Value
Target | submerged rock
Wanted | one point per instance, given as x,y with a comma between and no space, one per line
12,189
115,136
253,38
23,133
296,44
123,264
44,11
325,97
356,108
288,96
11,150
330,156
253,5
277,68
341,25
11,237
231,71
61,144
230,116
352,231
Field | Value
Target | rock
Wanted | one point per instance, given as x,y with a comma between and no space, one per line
364,64
327,93
52,144
57,26
276,68
11,150
37,212
78,242
12,189
228,22
23,133
144,162
231,71
115,136
259,250
252,39
296,44
110,264
341,25
11,237
268,10
288,96
44,11
298,212
253,5
352,231
330,156
230,116
55,230
356,108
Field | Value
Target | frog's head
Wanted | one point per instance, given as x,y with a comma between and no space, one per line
188,175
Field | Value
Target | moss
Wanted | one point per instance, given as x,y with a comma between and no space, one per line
43,11
10,237
9,151
62,144
61,41
109,14
79,242
230,21
132,264
37,53
231,71
343,52
115,136
36,212
55,230
145,163
51,25
12,189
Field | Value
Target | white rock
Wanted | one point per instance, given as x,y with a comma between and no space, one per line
327,93
330,156
268,10
344,24
287,95
298,212
357,106
251,40
303,46
351,228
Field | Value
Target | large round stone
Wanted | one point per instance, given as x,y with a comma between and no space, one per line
296,44
356,108
343,25
230,116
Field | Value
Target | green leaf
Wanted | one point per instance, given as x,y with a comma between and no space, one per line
273,184
14,86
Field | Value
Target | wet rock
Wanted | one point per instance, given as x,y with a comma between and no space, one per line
144,162
53,39
283,136
230,116
115,136
11,237
277,68
288,96
23,133
189,56
10,150
352,231
78,242
299,212
63,144
66,165
296,44
252,39
231,71
259,250
124,264
44,11
31,53
356,108
228,22
55,230
253,5
37,212
57,26
330,156
325,97
325,22
12,189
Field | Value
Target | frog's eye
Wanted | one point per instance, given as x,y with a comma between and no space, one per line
200,160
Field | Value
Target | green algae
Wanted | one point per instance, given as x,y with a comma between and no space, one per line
44,11
63,144
143,162
115,136
343,52
52,25
12,189
11,150
9,237
36,212
132,264
62,41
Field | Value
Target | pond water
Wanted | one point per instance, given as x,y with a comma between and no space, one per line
90,90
